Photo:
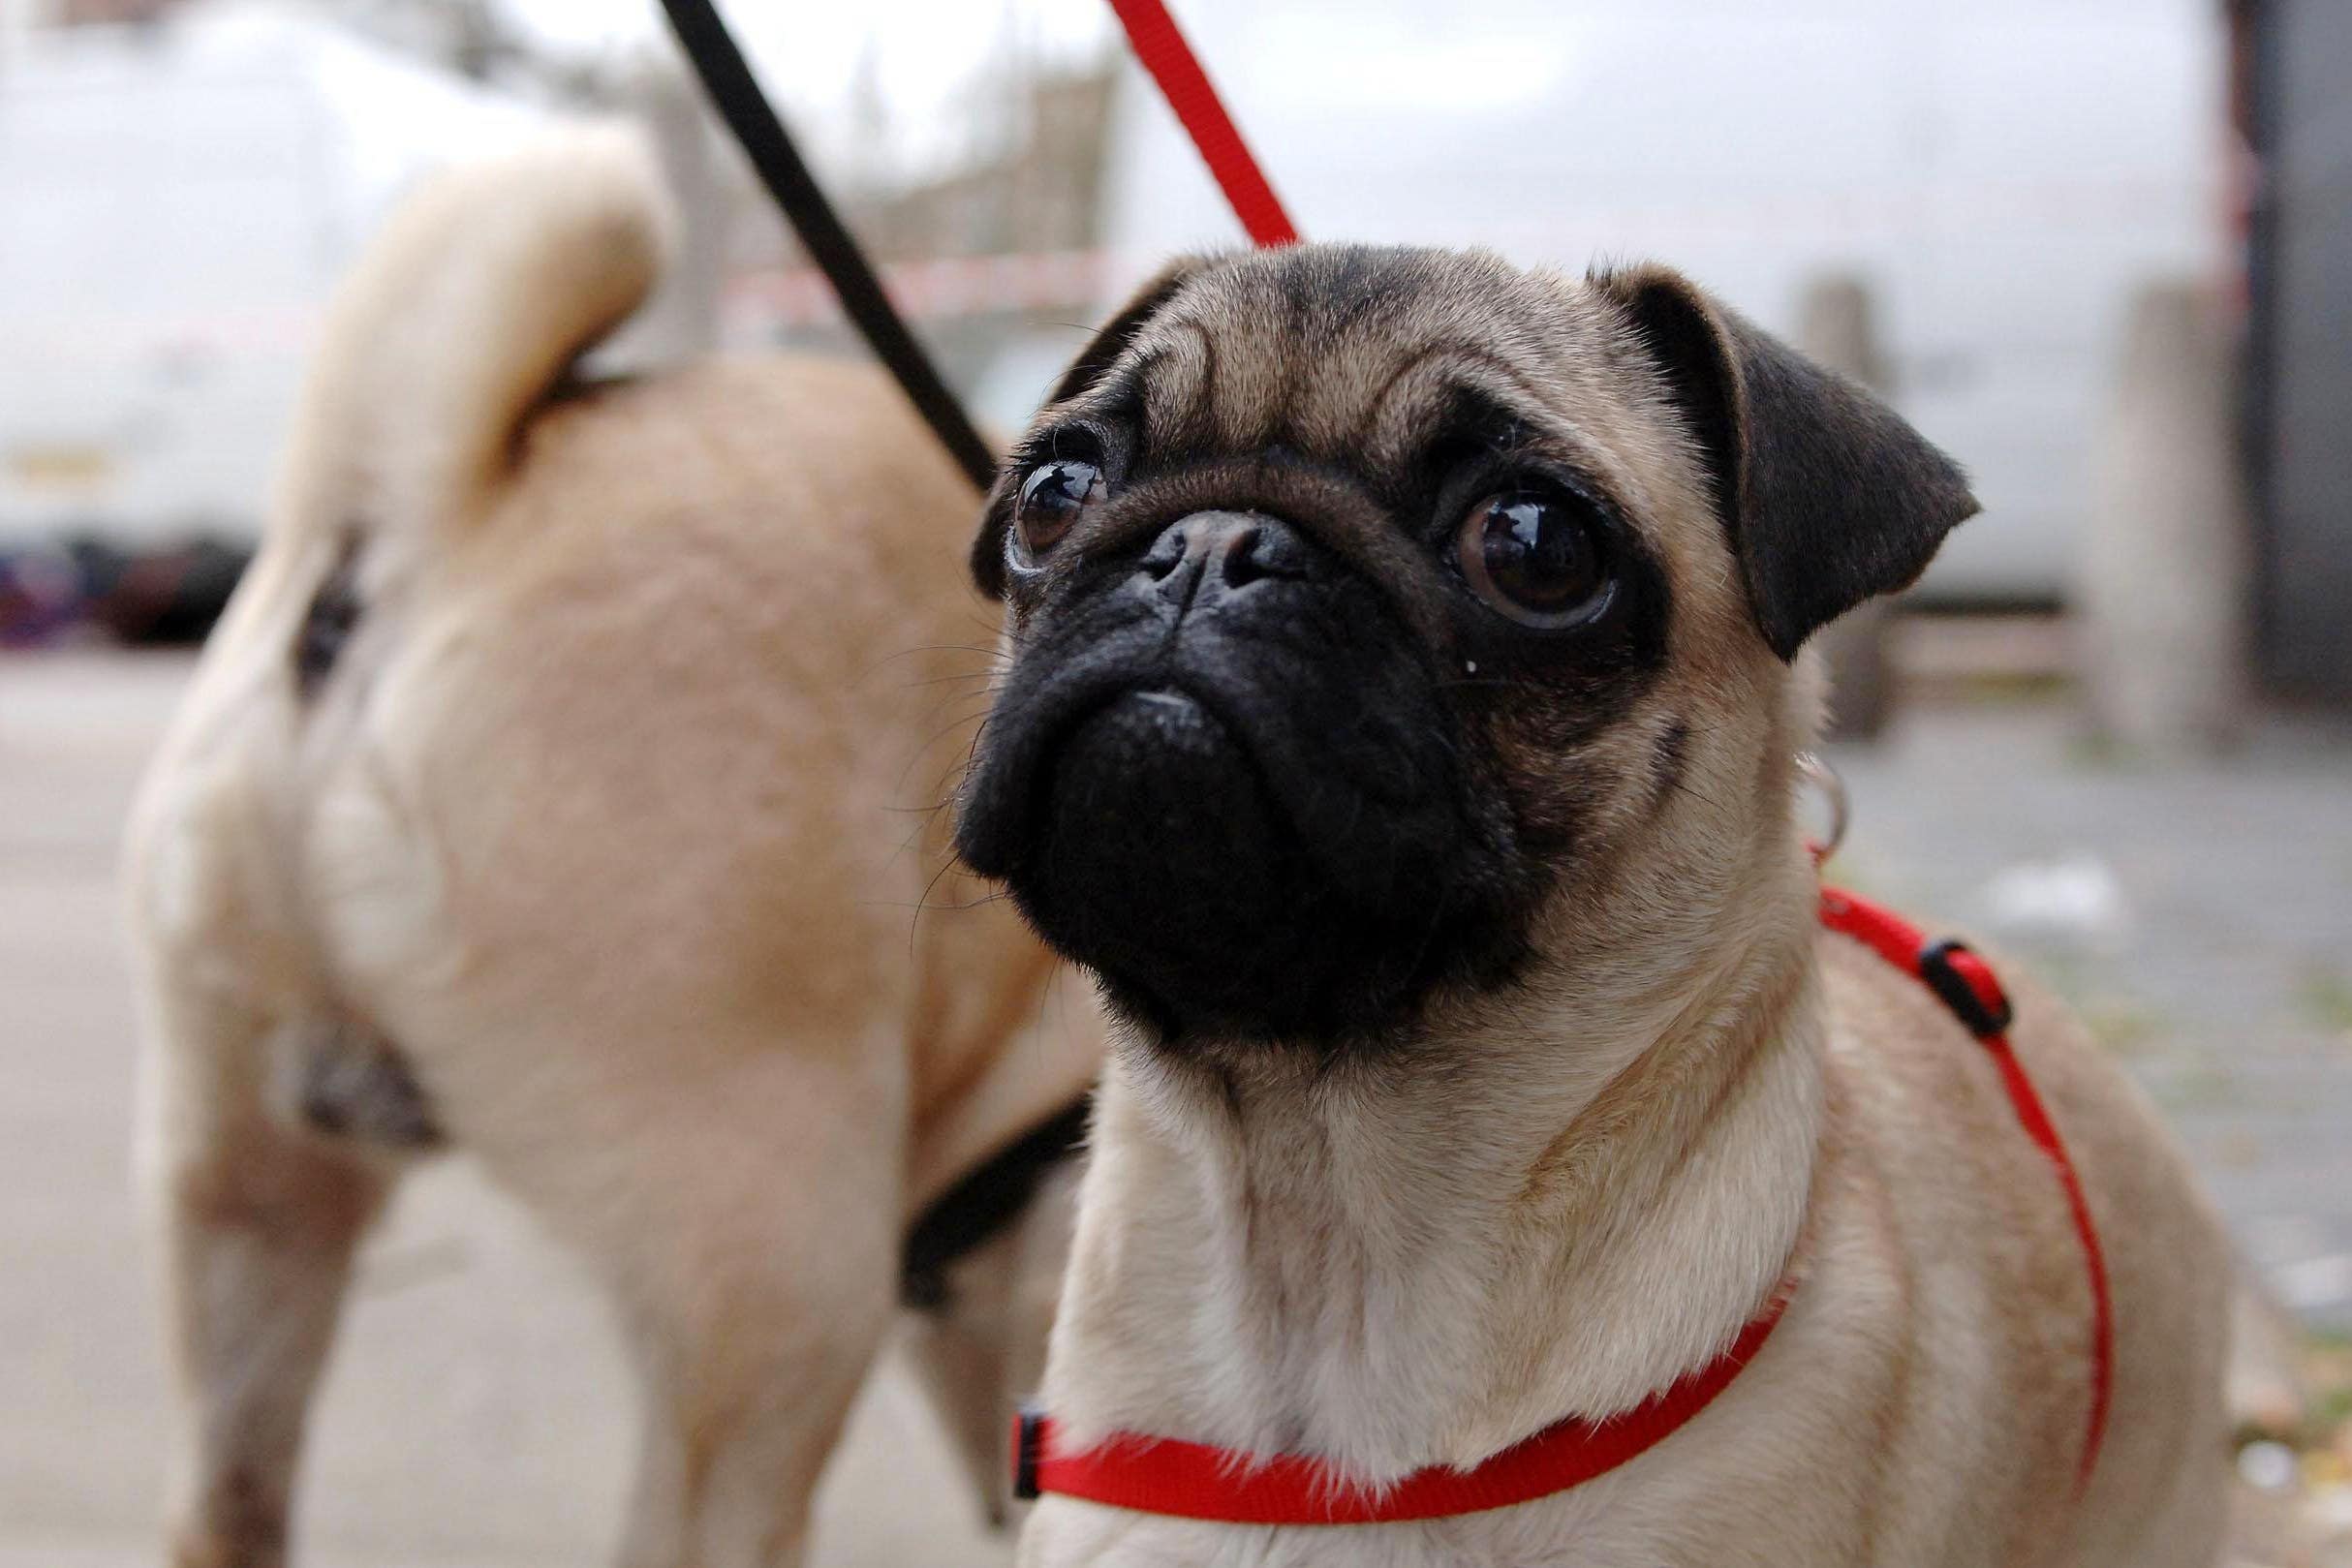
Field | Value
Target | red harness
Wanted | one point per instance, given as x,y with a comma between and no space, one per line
1966,984
1167,1475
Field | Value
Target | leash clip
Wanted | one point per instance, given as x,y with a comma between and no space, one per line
1028,1433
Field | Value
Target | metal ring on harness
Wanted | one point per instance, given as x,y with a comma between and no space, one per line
1814,771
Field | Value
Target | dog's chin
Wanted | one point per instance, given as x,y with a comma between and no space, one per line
1156,849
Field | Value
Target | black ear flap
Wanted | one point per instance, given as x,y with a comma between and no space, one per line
1120,330
1101,353
1829,498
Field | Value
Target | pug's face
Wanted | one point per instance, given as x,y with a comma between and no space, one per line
1372,610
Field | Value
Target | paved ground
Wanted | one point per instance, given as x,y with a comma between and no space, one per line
475,1414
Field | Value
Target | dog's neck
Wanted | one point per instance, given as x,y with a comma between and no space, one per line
1400,1261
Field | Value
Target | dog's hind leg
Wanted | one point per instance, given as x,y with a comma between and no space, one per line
259,1221
743,1209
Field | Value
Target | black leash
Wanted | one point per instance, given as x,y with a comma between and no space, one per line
993,1196
736,96
989,1199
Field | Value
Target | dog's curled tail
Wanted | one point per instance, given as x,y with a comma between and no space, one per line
483,286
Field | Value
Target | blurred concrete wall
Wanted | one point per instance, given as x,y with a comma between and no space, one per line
2161,594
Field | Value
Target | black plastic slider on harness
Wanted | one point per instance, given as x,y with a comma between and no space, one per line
1985,1017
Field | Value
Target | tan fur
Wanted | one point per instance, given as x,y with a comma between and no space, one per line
599,826
1574,1190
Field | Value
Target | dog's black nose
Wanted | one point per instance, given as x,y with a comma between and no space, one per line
1209,556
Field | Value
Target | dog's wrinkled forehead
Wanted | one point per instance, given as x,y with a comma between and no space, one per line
1347,352
1667,405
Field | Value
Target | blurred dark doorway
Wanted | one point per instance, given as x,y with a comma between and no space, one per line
2294,105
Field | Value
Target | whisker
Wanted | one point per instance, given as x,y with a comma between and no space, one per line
924,904
984,696
978,716
1683,786
935,908
935,648
967,675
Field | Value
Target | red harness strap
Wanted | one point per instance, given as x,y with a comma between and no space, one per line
1166,1475
1161,45
1965,984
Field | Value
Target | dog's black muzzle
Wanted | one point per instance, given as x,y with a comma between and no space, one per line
1219,776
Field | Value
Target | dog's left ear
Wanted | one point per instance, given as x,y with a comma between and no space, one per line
1828,497
1101,353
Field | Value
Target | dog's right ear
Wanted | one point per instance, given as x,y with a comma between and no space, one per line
1828,498
1101,353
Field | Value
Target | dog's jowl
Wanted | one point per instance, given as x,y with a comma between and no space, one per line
1406,677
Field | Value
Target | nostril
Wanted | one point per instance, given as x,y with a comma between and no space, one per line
1240,557
1166,554
1217,553
1257,552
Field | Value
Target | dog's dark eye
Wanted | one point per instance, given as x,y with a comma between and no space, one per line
1537,558
1052,496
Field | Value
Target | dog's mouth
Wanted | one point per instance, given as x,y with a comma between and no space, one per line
1233,858
1122,730
1164,860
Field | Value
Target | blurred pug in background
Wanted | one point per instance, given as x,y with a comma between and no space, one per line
1407,686
536,799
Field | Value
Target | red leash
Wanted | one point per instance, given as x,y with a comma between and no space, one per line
1164,1475
1161,47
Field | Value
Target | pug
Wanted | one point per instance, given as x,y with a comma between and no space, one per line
1407,676
554,794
